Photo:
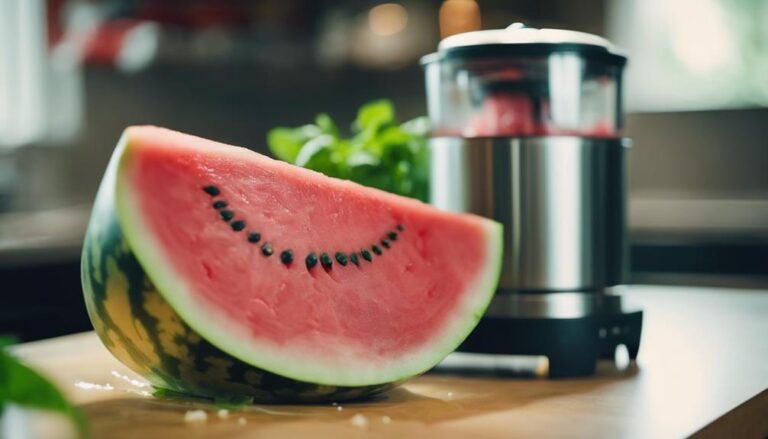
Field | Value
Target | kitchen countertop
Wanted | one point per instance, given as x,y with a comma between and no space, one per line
702,369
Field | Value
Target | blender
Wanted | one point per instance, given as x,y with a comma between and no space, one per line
527,130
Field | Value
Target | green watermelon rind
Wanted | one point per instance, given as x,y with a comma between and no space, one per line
230,339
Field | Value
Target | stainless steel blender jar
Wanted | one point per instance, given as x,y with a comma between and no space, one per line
527,129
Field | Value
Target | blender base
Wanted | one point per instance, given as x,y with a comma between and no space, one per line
572,344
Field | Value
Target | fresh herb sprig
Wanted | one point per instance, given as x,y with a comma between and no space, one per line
380,153
22,386
230,402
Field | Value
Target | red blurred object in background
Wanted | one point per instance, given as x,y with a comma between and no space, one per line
508,114
105,43
504,114
197,14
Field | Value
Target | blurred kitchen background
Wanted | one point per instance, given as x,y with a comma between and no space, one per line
74,73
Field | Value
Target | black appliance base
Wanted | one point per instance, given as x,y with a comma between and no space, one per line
572,345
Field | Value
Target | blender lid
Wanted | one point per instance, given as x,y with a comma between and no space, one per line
519,40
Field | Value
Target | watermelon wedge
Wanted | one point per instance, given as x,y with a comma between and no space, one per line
214,270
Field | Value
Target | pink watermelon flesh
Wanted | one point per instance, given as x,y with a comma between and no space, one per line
381,321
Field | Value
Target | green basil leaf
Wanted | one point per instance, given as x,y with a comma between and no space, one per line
394,135
375,114
316,154
285,143
419,126
326,124
362,158
380,153
373,176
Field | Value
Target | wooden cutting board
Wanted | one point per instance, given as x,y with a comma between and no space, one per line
703,369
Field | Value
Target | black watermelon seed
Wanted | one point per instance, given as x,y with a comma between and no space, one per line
226,215
220,204
385,243
311,261
238,225
254,237
400,227
286,257
376,249
266,249
326,261
353,258
211,190
366,255
392,235
342,258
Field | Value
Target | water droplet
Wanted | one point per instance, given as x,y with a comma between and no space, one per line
359,420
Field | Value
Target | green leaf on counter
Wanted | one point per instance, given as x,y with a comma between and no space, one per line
230,402
380,152
23,386
233,402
